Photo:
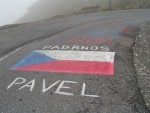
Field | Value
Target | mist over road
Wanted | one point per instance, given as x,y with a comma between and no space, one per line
44,9
23,11
17,11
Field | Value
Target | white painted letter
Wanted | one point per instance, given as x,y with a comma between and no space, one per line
65,47
76,47
47,47
29,84
83,47
94,48
55,47
18,80
104,48
44,89
63,87
83,93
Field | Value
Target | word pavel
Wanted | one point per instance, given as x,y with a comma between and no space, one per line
62,85
74,47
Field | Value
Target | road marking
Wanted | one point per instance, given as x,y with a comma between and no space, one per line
60,87
79,62
1,59
75,47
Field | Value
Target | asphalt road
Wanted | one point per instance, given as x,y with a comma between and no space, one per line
39,89
142,60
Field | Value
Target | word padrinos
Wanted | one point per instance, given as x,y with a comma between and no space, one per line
74,47
61,89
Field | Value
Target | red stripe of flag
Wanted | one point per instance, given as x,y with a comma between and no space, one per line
80,67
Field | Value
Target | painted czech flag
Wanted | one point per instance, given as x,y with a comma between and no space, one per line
81,62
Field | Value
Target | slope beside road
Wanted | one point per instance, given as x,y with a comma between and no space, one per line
72,64
142,60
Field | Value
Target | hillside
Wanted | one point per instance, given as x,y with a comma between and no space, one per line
49,8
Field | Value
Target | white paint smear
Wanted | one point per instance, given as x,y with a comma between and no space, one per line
9,54
61,86
83,92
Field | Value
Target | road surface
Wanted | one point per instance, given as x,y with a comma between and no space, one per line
72,64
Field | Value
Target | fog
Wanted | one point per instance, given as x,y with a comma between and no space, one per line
21,11
12,10
48,8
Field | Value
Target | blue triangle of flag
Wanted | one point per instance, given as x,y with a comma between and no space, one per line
34,58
